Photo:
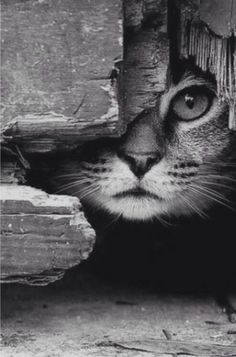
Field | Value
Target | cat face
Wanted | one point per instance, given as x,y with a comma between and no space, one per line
171,161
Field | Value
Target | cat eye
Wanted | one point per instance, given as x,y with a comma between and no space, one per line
192,103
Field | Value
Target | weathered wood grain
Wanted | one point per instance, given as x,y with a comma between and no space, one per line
56,63
220,16
146,55
160,346
42,235
50,132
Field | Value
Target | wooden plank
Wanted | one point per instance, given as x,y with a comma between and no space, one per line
161,346
50,132
42,235
220,16
146,55
56,63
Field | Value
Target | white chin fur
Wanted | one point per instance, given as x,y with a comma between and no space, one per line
142,209
135,209
128,208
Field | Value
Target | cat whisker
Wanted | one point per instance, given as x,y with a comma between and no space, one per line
82,192
216,176
216,184
113,221
193,206
76,176
164,222
222,164
69,176
211,191
198,190
88,192
72,184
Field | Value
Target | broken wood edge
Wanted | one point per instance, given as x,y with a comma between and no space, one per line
47,132
213,53
50,131
42,279
22,203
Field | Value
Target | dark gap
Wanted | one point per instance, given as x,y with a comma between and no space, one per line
173,23
232,59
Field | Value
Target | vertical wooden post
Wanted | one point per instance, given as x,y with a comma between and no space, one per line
146,54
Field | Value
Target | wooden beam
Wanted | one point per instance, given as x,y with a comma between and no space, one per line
41,235
146,55
48,132
161,346
57,60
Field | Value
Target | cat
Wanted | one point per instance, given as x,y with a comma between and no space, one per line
161,197
176,159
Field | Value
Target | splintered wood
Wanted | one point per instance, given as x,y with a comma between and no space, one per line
42,235
208,34
146,55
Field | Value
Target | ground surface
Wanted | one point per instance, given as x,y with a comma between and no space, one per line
93,317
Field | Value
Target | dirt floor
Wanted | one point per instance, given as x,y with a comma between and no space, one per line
94,317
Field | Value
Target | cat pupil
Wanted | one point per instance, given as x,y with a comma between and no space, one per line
189,100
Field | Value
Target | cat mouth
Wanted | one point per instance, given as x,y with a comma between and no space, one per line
137,192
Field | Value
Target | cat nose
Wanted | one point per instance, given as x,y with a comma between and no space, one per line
140,163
